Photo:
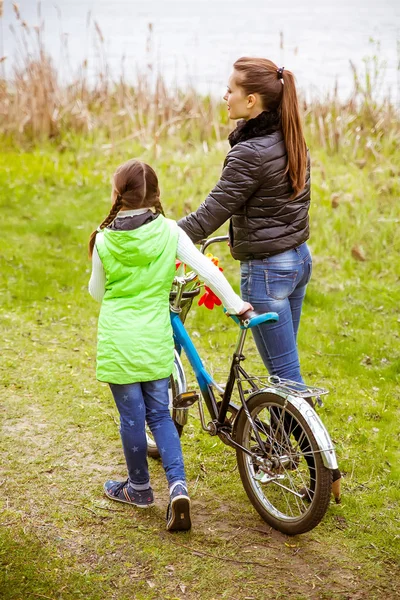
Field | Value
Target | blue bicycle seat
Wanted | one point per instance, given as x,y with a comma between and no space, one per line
251,318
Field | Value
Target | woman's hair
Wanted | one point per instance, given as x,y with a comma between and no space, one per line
277,89
135,185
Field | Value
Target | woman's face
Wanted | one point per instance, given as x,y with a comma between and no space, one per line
236,99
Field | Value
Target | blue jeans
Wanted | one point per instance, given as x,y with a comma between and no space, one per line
138,403
278,284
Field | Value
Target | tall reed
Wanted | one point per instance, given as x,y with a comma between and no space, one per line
36,106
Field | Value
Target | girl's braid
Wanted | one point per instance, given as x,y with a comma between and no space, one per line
158,207
107,221
113,212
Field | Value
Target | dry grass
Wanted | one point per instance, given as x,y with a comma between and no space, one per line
35,106
360,124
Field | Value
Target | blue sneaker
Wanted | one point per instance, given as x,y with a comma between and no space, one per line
122,492
178,512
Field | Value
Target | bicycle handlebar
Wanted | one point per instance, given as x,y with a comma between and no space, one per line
185,280
208,241
246,320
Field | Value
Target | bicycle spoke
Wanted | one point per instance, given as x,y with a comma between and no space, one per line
292,457
284,487
301,438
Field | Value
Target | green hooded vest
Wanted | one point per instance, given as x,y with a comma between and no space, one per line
135,340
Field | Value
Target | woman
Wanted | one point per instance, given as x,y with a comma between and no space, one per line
265,192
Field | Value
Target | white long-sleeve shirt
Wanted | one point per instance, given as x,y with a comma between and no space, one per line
188,254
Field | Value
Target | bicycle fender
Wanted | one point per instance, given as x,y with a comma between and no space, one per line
178,373
314,422
318,429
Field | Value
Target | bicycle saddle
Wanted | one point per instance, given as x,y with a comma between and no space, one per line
251,318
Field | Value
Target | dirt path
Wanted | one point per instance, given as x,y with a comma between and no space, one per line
51,485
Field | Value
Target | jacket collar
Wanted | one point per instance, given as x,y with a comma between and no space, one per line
265,123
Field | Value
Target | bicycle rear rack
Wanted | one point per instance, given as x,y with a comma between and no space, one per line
296,389
310,393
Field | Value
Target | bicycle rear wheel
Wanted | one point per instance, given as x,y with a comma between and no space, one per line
291,488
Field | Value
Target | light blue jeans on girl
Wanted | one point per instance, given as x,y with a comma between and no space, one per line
138,403
278,284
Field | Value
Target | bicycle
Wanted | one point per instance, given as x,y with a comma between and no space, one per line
284,453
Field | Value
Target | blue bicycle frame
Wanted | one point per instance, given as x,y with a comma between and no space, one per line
218,411
204,379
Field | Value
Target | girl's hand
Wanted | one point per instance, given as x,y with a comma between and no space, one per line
246,306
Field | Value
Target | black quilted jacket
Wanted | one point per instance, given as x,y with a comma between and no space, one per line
254,193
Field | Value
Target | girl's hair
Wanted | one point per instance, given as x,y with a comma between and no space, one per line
277,89
135,185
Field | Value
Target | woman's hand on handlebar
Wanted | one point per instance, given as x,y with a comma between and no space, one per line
246,306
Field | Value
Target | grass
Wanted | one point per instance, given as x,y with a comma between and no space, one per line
60,538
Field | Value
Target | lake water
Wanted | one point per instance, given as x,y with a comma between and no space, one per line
198,40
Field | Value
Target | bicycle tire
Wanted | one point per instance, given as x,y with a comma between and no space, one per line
152,450
291,447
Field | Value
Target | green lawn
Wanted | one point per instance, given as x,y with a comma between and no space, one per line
60,538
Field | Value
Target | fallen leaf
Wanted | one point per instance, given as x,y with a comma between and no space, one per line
335,200
358,253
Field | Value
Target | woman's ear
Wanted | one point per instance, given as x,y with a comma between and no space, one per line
251,100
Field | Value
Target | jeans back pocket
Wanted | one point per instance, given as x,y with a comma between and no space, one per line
280,283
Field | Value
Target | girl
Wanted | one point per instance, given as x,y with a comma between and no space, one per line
264,190
133,265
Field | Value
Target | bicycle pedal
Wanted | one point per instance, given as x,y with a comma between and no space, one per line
185,399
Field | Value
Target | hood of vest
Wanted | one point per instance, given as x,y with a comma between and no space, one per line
140,246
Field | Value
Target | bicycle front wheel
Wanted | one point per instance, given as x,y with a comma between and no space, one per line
177,384
285,480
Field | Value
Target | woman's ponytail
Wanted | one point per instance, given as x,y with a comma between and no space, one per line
292,129
277,89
